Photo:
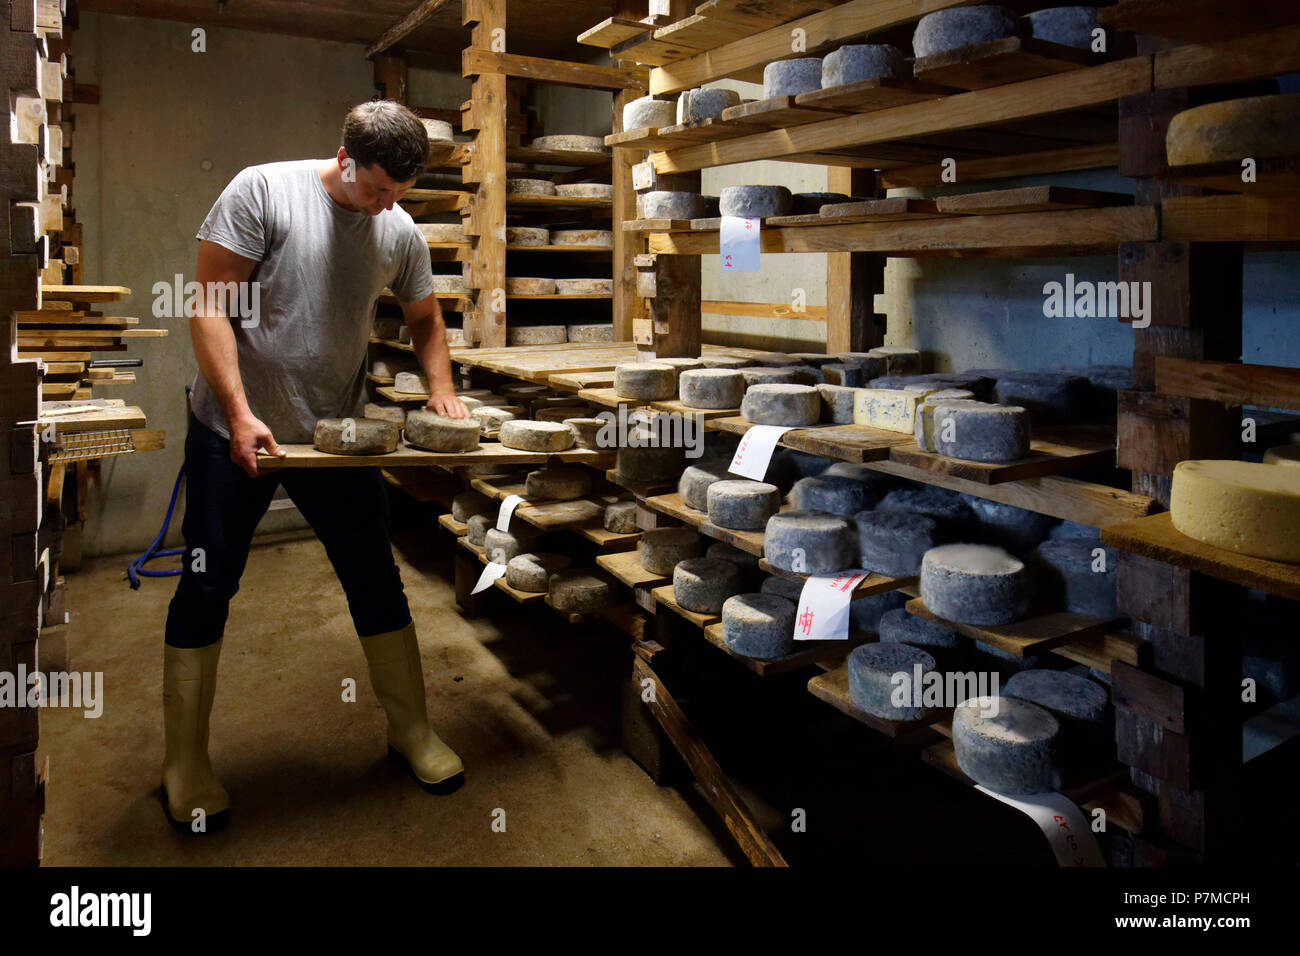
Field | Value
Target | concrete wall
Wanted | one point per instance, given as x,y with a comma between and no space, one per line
172,128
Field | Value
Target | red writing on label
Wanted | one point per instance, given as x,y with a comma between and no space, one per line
1070,841
805,621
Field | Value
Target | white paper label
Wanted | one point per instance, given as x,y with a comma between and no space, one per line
739,244
824,606
507,510
1063,823
491,572
754,452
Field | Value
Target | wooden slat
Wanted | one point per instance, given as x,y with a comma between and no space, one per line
672,505
1231,218
584,75
612,31
873,583
809,653
1271,386
1156,537
833,688
997,62
1102,653
775,112
1272,176
1056,451
1029,199
1028,637
1219,61
665,595
626,566
1100,156
1198,20
866,96
84,293
892,209
856,443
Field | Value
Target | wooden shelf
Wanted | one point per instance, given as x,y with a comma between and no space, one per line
866,96
642,489
872,584
556,295
1196,21
665,595
515,200
553,248
626,566
458,528
1057,451
1271,386
833,688
1029,199
306,456
673,506
614,30
807,656
1271,219
855,443
521,597
545,515
998,62
609,540
1031,636
1156,537
579,158
1272,176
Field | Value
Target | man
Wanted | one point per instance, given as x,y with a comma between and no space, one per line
321,238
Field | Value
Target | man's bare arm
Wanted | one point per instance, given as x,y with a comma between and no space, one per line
214,347
429,339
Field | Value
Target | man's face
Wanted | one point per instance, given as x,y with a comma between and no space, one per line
368,187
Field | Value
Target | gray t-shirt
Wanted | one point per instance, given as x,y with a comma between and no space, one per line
320,271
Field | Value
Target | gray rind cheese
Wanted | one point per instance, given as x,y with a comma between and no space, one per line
469,503
527,236
898,359
894,542
585,190
411,383
620,517
948,648
758,375
386,413
782,405
649,112
500,546
1256,127
645,381
755,202
584,286
1048,397
701,103
865,612
791,77
659,550
872,685
786,588
442,231
1068,26
722,551
536,335
490,418
974,584
586,431
530,285
971,430
711,388
837,404
477,528
1076,702
1066,569
434,432
855,62
671,204
741,504
1016,529
582,237
530,187
818,543
759,625
703,584
536,436
438,131
801,375
950,510
355,436
726,361
961,27
838,496
807,204
576,593
650,462
590,333
1007,744
560,483
872,366
570,142
532,572
844,376
693,486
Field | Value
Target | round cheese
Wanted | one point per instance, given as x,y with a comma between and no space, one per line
961,27
435,432
693,486
810,542
532,572
645,381
855,62
894,542
355,436
782,405
659,550
1008,745
881,674
620,517
671,204
759,625
585,190
576,593
741,504
700,103
536,335
1240,506
649,112
530,187
1256,127
711,388
703,584
527,236
791,77
571,142
561,483
1069,26
530,285
536,436
974,584
755,202
836,495
590,333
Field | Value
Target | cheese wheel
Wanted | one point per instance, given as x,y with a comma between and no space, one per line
649,112
582,237
700,103
755,202
671,204
530,285
411,383
590,333
570,141
435,432
576,593
530,187
536,335
832,494
703,584
1241,506
1007,744
501,546
810,542
532,572
1256,127
782,405
855,62
620,517
1069,26
837,403
974,584
693,487
355,436
962,27
742,504
645,381
971,430
536,436
791,77
894,542
586,431
759,625
585,190
442,231
882,680
711,388
660,550
584,286
477,526
527,236
561,483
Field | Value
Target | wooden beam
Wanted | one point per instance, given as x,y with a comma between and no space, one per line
764,310
718,790
1272,386
1231,218
1101,156
853,279
405,26
1041,97
1229,61
477,61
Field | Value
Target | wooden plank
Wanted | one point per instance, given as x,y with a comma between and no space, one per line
1089,86
1073,232
458,528
775,112
856,443
1156,537
1029,199
626,566
658,225
833,688
766,310
892,209
873,583
612,31
717,789
1195,21
98,415
1272,176
306,456
1100,156
583,158
671,504
866,96
809,654
1150,696
998,62
1271,386
405,26
1028,637
1231,218
557,202
583,75
1056,451
665,595
1219,61
84,293
1102,653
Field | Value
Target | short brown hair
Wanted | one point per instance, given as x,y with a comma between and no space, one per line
389,134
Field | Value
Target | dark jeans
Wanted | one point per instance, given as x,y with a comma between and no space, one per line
346,507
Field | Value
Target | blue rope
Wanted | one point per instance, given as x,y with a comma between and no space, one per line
137,568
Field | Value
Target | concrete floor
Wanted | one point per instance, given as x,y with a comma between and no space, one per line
530,705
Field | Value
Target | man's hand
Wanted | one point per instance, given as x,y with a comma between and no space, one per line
448,405
247,435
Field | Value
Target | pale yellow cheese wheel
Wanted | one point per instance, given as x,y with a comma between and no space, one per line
1241,506
1288,455
1257,127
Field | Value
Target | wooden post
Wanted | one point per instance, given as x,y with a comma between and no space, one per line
390,77
853,279
675,308
627,246
485,270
